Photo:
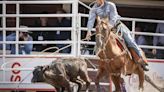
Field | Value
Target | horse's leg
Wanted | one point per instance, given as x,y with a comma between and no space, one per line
84,76
100,74
117,83
141,76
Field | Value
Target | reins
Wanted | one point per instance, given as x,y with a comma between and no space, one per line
106,41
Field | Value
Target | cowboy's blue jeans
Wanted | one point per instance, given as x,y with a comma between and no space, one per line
129,40
27,48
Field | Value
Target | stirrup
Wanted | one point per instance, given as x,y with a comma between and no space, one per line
146,64
143,62
144,67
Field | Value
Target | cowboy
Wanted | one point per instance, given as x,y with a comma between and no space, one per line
23,36
103,9
159,41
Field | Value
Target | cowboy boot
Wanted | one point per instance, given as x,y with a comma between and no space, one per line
144,67
142,63
138,60
145,62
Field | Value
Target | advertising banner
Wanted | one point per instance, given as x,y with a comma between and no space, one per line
11,77
21,79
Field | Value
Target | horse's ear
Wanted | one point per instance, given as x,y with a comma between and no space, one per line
106,19
38,67
98,19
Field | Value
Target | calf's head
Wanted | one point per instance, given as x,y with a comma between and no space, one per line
38,74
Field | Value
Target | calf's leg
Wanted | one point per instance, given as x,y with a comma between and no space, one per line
84,76
66,84
78,82
100,74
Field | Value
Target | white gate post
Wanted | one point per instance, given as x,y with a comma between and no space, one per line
74,25
4,33
75,32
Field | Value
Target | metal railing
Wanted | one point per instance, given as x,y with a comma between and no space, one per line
18,15
134,33
76,30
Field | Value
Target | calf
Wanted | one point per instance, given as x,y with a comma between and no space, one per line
61,71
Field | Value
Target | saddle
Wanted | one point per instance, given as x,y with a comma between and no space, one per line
120,41
131,52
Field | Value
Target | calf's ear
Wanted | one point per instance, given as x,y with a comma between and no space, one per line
38,67
44,68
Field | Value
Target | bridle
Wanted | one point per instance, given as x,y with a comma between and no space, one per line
108,28
102,30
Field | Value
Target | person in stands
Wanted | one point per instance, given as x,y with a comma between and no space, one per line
43,35
23,36
159,41
63,35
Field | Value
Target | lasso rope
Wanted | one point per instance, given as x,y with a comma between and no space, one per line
96,7
22,81
3,68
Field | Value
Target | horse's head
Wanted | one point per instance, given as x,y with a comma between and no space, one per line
103,29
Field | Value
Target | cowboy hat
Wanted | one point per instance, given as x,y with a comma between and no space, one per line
23,29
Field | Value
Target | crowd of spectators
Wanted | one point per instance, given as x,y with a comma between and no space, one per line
151,41
143,40
42,35
45,35
63,35
159,41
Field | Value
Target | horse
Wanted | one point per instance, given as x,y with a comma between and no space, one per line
114,61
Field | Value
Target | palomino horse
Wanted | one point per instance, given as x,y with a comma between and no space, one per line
113,60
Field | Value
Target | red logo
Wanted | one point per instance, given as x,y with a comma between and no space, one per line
15,77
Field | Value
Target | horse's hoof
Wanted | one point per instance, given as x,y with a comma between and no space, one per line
140,90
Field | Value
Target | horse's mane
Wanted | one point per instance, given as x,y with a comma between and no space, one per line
105,29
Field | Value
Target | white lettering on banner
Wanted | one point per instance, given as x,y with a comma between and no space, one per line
18,75
132,82
15,76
